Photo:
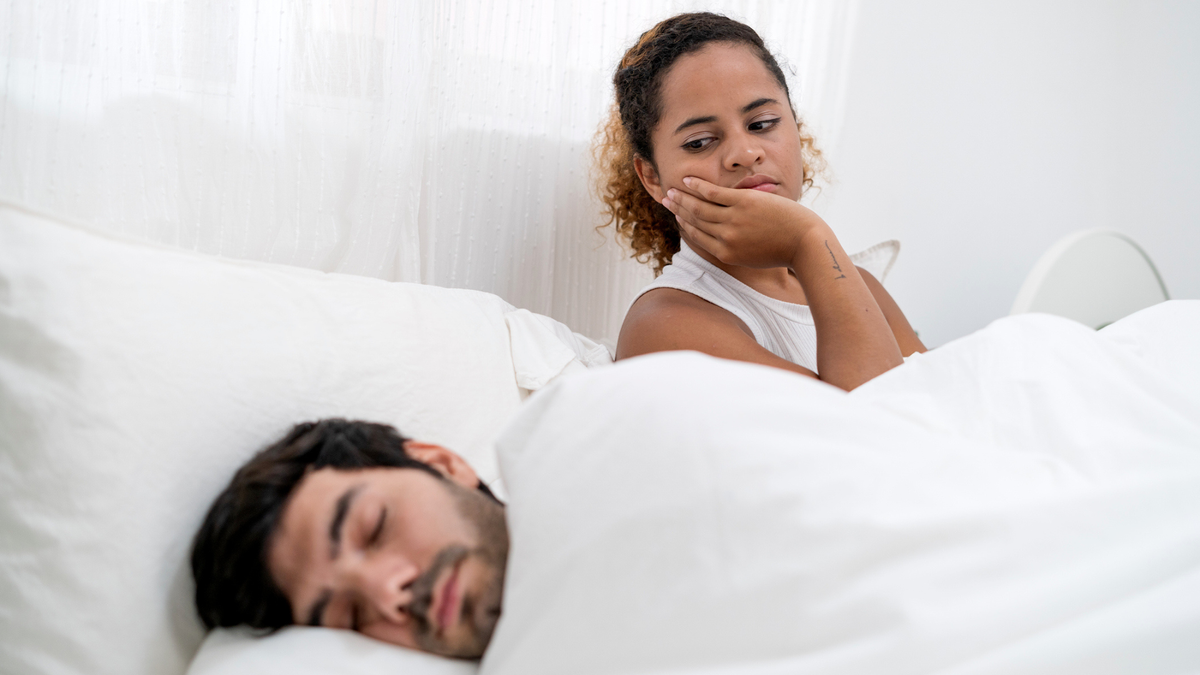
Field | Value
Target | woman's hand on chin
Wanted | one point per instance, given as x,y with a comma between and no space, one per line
749,228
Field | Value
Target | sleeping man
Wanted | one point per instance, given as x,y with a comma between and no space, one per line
350,525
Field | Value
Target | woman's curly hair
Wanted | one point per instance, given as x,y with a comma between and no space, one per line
647,225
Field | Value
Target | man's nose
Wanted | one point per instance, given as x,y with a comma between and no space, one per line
387,586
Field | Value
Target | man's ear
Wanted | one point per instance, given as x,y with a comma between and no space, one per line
445,461
649,177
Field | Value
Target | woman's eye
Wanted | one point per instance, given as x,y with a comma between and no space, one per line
697,143
763,125
377,533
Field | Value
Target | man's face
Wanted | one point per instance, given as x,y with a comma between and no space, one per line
396,554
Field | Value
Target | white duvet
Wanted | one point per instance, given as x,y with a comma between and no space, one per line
1023,500
1026,499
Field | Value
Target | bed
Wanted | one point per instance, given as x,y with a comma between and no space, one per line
1024,499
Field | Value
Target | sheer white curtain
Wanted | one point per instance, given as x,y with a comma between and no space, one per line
444,141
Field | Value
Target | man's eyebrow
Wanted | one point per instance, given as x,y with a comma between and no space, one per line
713,118
757,104
318,608
339,518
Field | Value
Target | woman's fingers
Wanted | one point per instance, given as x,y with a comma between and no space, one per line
686,217
710,192
704,233
697,208
701,238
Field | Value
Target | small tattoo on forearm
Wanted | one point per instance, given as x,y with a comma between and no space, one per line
836,266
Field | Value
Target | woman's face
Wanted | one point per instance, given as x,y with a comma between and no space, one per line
726,120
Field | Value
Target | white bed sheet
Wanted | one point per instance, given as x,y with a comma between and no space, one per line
1026,499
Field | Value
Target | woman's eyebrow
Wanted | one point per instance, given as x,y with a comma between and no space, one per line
339,518
694,121
758,103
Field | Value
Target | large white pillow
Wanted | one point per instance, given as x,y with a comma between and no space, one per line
135,379
677,513
300,650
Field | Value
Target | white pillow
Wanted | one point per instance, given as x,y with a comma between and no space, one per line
878,259
299,650
135,379
677,513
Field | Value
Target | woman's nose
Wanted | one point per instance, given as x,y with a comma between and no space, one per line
743,150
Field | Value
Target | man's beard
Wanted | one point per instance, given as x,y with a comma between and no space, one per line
480,611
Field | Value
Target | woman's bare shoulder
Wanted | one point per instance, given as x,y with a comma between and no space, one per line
667,319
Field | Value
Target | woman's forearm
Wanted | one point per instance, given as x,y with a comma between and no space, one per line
756,229
854,341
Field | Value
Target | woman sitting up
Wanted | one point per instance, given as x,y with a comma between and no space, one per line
702,163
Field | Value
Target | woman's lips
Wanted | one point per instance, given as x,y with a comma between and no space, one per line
757,182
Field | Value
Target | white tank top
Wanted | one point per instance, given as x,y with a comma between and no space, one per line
783,328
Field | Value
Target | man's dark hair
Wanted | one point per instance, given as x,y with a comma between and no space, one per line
229,553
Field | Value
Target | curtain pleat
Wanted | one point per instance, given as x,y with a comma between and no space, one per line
444,142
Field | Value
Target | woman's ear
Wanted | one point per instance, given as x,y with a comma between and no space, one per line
445,461
649,177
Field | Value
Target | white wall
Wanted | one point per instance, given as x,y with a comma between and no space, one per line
980,133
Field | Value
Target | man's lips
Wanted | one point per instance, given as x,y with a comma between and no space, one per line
757,182
447,601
